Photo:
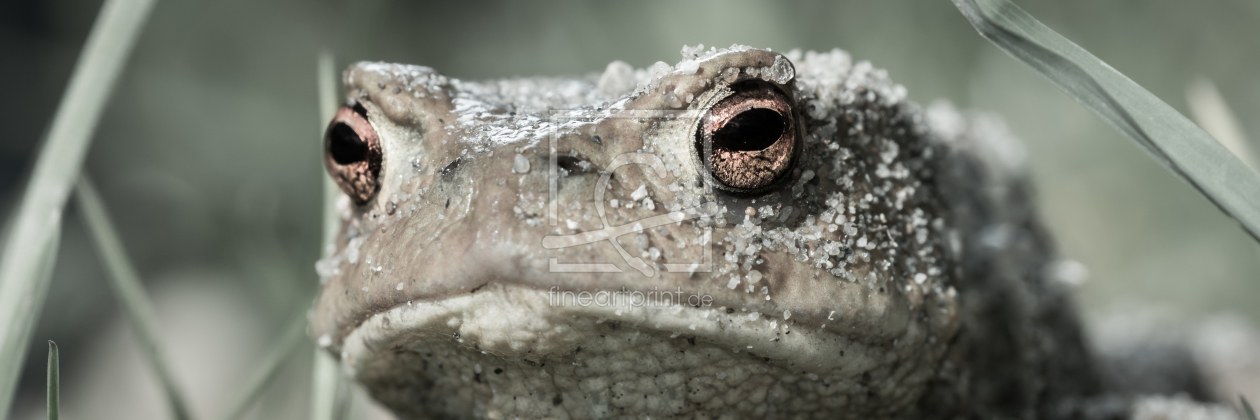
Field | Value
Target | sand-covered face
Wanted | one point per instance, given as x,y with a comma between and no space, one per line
742,233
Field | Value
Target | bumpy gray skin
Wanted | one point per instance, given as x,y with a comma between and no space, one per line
899,271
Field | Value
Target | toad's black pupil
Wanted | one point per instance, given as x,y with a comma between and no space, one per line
751,130
345,146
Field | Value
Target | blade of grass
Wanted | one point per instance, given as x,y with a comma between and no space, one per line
44,264
127,288
54,381
1210,111
293,335
347,398
1167,136
327,107
1247,410
22,284
329,393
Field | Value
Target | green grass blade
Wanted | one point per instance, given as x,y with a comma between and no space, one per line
328,107
38,215
54,381
130,292
1209,109
1248,412
293,335
1166,135
345,398
329,393
44,264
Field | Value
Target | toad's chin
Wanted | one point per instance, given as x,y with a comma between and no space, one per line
510,350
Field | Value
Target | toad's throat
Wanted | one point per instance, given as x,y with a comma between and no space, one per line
493,344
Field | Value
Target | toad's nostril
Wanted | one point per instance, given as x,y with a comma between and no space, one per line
352,153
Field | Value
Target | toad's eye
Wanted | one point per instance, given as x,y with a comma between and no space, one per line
352,153
747,140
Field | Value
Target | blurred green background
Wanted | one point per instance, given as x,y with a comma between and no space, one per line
208,154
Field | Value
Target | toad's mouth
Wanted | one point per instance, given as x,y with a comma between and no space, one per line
521,324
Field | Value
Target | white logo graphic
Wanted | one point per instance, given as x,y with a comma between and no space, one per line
610,233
